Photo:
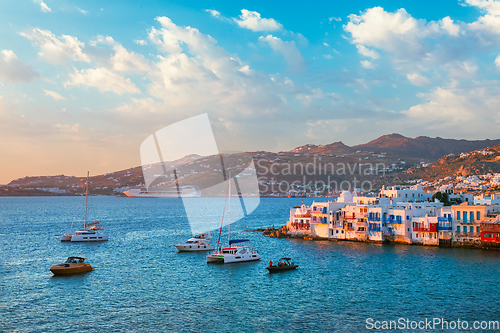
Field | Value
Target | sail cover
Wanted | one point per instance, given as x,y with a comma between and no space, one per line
236,241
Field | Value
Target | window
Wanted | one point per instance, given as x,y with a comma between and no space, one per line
465,229
458,229
478,216
471,217
478,230
458,215
465,217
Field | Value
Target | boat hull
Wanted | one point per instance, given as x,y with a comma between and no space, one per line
65,269
232,258
193,247
215,259
88,238
66,238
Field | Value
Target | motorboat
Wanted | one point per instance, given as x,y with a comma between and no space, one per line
284,264
91,232
72,265
232,254
199,242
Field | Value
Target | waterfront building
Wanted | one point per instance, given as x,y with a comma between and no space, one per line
300,218
425,230
468,219
490,233
322,215
380,219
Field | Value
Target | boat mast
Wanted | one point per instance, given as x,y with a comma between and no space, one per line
229,213
86,196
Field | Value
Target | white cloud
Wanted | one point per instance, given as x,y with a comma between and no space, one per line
398,33
13,70
497,61
124,60
448,25
102,79
462,69
55,50
489,6
140,42
290,52
54,95
367,64
417,79
326,44
253,21
85,12
466,110
43,6
367,52
338,19
328,56
213,12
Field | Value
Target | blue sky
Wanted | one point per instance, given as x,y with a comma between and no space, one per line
82,84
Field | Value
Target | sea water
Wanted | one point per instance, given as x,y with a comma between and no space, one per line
141,283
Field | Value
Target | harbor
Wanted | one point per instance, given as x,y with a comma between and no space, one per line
139,278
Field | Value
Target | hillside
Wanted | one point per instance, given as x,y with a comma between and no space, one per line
423,146
464,164
380,162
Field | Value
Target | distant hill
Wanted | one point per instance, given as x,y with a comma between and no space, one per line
477,162
392,159
424,146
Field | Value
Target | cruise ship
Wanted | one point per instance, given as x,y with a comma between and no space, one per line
185,191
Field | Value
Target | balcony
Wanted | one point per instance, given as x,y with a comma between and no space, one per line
394,221
440,228
422,229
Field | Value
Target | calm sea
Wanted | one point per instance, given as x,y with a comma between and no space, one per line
141,283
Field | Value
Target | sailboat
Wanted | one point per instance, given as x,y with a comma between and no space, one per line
91,232
232,254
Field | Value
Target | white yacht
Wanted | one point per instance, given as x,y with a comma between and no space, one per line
185,191
199,242
232,254
91,232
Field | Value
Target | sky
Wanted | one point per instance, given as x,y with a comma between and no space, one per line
84,83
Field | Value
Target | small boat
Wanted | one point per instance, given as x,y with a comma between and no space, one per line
199,242
232,254
73,265
283,264
91,232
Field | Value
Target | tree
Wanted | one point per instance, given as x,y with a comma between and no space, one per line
442,197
